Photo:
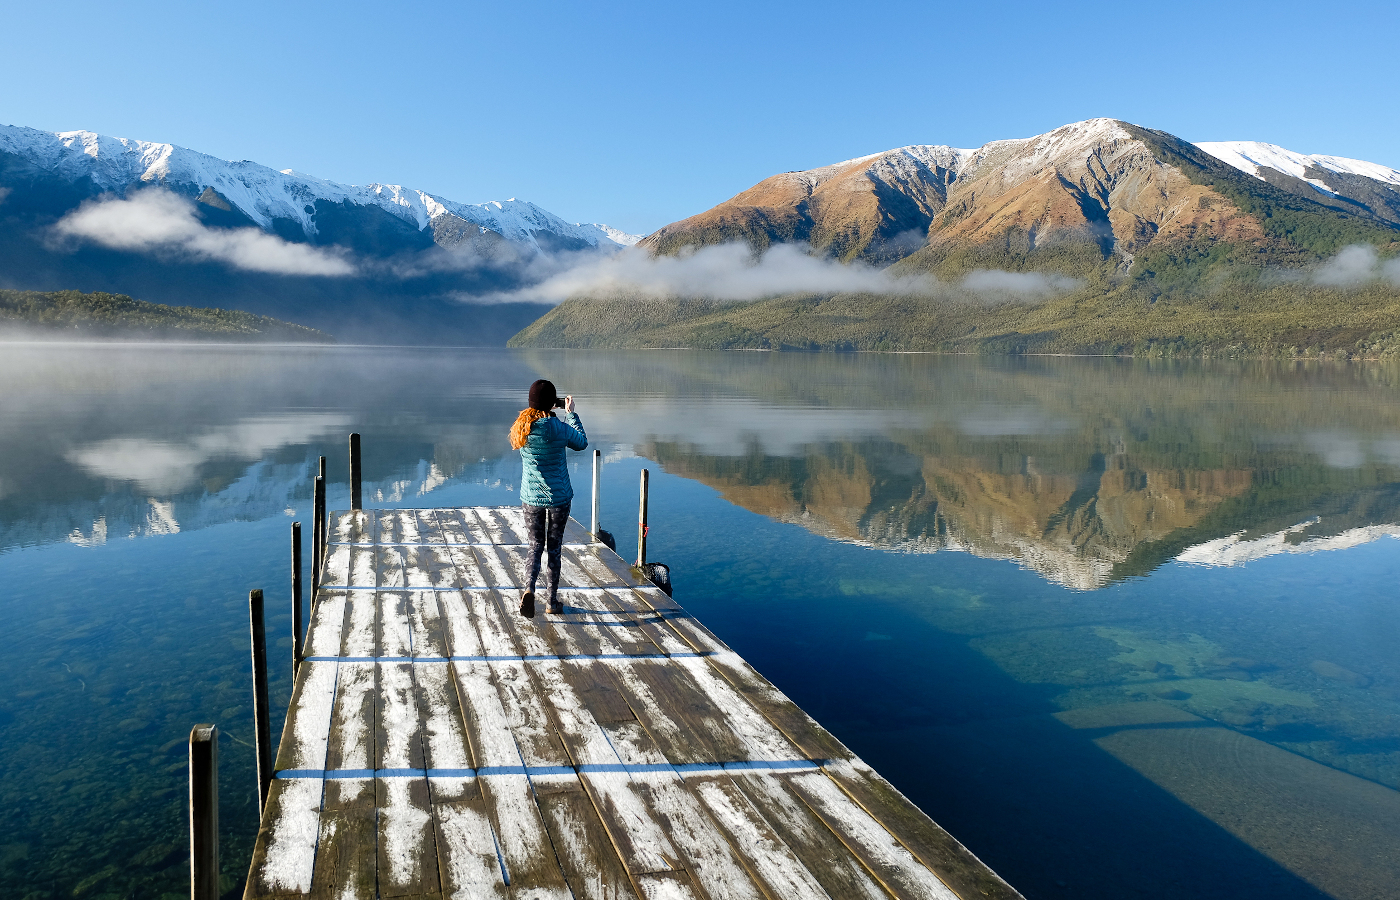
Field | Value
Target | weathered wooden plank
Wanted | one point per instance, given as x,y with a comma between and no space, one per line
398,729
575,532
327,628
489,527
590,866
429,529
351,527
469,573
446,747
352,736
764,854
467,855
360,635
713,865
639,840
890,862
426,625
666,886
389,567
526,715
390,523
499,571
284,854
335,569
510,520
308,723
526,851
346,854
815,845
408,862
394,637
451,525
429,566
938,850
682,721
459,623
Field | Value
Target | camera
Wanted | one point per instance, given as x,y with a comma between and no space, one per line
559,403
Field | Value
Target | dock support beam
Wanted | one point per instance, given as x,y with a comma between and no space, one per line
296,597
318,526
355,472
642,523
260,717
597,485
204,812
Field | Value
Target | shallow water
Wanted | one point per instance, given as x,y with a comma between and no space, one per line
1125,629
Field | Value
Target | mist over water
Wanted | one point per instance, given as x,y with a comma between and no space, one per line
1125,628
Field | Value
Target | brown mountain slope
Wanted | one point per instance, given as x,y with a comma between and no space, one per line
1103,187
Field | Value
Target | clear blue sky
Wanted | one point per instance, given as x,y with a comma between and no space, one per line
639,114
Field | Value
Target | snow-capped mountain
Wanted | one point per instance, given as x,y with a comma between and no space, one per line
1100,182
268,197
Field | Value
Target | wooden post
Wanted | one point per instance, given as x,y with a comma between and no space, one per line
260,720
318,550
355,472
204,812
296,597
597,483
642,524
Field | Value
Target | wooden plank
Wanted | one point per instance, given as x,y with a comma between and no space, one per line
360,635
575,532
346,856
429,529
352,736
487,526
390,523
581,844
713,865
684,723
429,566
351,527
469,573
523,841
764,854
667,886
389,567
408,860
459,624
938,850
639,840
499,571
284,854
509,522
407,841
335,569
451,526
327,628
889,861
819,850
467,855
308,724
394,635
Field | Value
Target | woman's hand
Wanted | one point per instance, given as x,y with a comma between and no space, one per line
569,403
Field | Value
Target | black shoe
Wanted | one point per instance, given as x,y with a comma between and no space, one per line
527,604
556,608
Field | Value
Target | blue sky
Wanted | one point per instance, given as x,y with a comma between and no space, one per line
639,114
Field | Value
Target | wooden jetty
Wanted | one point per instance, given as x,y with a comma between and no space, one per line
440,745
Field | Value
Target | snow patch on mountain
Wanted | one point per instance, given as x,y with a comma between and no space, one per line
264,194
1248,156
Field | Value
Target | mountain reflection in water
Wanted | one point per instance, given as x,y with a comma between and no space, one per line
1084,471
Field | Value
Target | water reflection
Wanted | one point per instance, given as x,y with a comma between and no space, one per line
1083,472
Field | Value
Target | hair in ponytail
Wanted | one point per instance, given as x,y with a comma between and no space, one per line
520,431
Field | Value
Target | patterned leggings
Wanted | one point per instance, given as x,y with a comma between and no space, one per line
546,527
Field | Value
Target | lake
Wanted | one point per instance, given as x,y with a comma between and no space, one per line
1125,628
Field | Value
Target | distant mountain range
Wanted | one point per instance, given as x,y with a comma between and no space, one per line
1123,216
397,261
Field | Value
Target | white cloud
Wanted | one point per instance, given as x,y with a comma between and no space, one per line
731,272
1351,266
4,192
157,221
1029,285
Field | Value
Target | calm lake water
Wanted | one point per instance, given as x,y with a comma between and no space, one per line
1125,629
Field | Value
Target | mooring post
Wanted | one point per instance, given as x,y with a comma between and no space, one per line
204,812
318,550
597,483
321,535
260,720
355,471
296,597
642,524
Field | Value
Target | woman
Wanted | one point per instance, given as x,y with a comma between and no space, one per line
545,490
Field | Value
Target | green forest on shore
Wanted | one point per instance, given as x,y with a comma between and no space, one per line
67,315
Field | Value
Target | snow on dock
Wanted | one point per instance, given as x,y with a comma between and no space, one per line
440,745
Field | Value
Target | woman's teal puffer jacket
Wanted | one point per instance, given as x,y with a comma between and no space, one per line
546,480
